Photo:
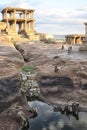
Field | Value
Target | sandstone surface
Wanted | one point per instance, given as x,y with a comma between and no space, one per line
69,83
83,48
11,99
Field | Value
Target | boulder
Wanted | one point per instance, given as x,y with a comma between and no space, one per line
28,51
10,55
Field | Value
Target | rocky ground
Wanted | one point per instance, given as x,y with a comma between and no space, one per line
14,109
61,76
66,85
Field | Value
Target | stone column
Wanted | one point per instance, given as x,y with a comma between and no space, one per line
71,40
14,24
25,25
84,46
79,39
7,23
20,26
25,14
86,33
2,15
20,15
5,14
32,25
29,26
74,40
14,13
11,14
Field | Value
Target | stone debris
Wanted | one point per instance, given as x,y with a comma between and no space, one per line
29,84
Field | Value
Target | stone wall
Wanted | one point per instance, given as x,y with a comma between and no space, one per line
75,39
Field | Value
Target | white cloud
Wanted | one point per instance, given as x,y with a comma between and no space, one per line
16,3
61,20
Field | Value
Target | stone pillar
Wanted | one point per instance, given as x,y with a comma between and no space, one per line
79,40
25,14
7,23
71,40
32,26
86,33
5,14
20,16
74,40
14,13
25,25
14,24
29,26
84,46
20,26
11,14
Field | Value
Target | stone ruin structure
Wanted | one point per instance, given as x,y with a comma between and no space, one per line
85,40
75,38
84,46
19,21
3,26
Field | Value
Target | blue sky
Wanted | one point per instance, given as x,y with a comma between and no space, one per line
54,16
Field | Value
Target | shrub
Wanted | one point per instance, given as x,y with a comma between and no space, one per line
31,69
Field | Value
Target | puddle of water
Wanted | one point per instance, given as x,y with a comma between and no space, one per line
47,119
74,55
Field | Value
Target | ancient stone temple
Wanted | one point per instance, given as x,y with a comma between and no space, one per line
19,21
75,38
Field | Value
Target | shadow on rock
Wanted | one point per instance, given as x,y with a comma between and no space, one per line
53,81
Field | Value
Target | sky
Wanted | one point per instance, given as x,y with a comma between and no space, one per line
54,16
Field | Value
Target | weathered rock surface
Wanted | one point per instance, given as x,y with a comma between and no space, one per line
5,40
11,99
68,83
83,48
9,55
28,52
